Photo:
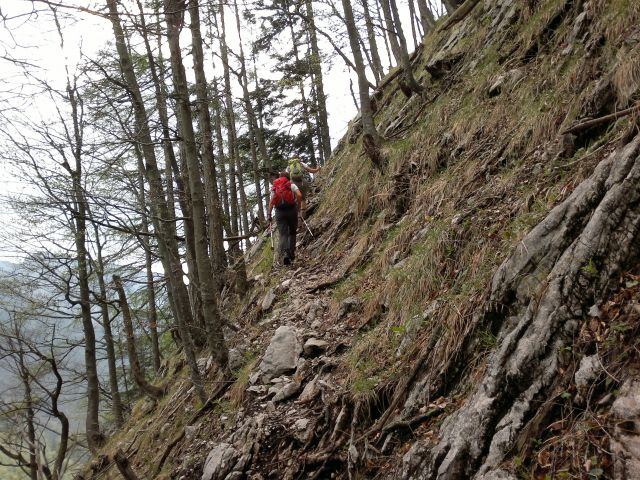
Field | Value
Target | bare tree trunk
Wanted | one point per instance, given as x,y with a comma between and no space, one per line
426,16
376,65
399,44
450,5
385,33
94,436
303,96
163,219
208,158
251,120
412,15
124,467
25,377
206,284
371,138
239,265
318,81
116,401
262,144
136,369
224,191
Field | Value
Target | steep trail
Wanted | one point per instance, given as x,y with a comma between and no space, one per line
472,311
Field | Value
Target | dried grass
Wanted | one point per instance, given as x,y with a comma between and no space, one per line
626,76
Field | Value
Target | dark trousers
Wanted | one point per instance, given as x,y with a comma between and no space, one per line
287,220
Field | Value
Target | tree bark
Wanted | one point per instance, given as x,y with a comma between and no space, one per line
116,401
399,43
239,265
206,285
570,261
376,65
124,467
94,436
371,138
426,16
137,369
251,121
163,220
318,81
303,97
208,158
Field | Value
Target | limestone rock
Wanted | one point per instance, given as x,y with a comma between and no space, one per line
282,353
236,359
288,391
505,82
496,475
588,371
349,305
314,347
284,286
267,301
220,462
190,431
626,443
302,431
310,391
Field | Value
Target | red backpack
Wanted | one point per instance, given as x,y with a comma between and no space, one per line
282,193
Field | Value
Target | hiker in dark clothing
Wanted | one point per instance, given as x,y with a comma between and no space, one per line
285,198
296,169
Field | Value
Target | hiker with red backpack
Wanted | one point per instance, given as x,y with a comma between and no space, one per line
286,198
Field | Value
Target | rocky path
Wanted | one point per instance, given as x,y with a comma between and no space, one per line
294,418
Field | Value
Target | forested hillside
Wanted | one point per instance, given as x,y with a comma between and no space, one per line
464,300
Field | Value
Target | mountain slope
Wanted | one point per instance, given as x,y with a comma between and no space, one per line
457,292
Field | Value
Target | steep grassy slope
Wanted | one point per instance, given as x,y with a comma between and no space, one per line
397,277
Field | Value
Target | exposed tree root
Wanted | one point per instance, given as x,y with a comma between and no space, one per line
594,122
570,261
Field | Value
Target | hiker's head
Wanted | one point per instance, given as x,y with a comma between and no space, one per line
285,175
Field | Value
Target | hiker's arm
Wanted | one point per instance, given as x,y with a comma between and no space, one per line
299,197
311,169
270,209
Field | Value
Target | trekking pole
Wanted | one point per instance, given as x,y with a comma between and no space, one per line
305,224
271,234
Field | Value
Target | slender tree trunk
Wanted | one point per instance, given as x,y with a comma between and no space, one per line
152,313
251,120
214,215
173,169
385,33
136,369
399,43
206,284
237,192
450,5
262,144
412,15
371,138
224,191
303,98
426,16
25,376
116,401
94,436
163,220
318,81
376,65
240,268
